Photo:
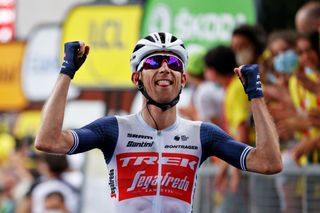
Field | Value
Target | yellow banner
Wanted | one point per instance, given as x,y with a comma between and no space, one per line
11,94
111,32
27,123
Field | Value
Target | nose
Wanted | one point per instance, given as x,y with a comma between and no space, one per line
164,67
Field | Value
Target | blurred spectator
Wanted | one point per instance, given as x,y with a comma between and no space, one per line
284,60
55,203
207,96
220,62
281,66
209,102
8,181
309,54
194,78
304,97
248,43
53,167
308,17
7,143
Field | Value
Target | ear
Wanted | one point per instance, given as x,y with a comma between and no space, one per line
183,79
135,78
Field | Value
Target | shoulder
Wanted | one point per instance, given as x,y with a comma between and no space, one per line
202,124
101,126
187,122
106,119
124,118
207,126
212,130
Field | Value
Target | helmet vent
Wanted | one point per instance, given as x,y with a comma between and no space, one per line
150,38
173,39
162,37
138,47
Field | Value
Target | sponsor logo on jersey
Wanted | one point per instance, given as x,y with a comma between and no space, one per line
131,135
180,147
140,144
181,137
112,183
138,175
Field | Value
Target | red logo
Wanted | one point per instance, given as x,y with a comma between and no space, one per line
138,175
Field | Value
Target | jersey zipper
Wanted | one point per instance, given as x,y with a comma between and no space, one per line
157,206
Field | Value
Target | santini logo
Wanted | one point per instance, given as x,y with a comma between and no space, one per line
139,144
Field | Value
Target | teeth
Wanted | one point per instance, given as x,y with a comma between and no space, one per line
163,83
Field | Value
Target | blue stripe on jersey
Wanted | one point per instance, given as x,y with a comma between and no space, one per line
216,142
102,134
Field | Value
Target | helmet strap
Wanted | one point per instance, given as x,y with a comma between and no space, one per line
162,106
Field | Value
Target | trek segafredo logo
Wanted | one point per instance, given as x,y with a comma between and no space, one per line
112,183
138,175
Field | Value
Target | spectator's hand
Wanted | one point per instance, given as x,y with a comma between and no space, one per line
75,54
307,83
314,116
279,93
302,148
287,127
280,111
250,79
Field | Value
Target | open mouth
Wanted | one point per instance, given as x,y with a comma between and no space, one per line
164,82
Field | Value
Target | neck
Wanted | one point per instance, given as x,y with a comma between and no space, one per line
163,119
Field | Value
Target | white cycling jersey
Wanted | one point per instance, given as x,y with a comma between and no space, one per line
156,171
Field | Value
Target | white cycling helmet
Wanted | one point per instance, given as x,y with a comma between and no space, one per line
158,42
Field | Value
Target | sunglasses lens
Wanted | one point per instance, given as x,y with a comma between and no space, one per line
155,62
175,64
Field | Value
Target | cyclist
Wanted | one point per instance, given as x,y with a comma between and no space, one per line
153,156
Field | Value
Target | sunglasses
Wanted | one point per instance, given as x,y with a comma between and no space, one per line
155,62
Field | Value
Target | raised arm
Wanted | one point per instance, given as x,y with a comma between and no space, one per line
266,156
50,136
